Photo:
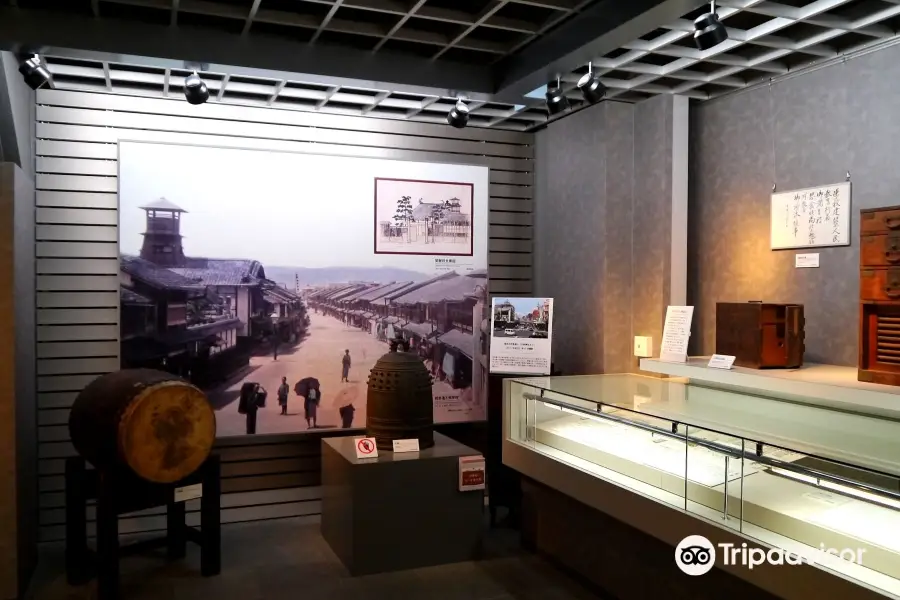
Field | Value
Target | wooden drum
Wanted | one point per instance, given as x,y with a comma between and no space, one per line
155,424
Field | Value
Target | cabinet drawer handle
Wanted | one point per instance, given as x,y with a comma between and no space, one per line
891,293
892,222
891,256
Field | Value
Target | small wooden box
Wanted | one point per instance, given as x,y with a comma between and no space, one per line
759,335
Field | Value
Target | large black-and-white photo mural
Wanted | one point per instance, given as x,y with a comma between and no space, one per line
273,282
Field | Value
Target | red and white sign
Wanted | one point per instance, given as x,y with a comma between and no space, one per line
471,473
366,448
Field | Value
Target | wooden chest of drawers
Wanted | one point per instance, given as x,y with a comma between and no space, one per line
879,295
759,335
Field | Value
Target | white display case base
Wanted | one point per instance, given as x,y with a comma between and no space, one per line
830,386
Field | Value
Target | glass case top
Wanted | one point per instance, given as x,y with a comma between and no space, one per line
868,441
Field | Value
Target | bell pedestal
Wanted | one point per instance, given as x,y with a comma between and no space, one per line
398,511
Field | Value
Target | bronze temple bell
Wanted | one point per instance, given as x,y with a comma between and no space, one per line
399,402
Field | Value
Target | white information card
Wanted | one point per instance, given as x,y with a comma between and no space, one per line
411,445
676,334
806,261
721,361
521,335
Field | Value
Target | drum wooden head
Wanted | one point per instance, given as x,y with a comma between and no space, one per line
167,431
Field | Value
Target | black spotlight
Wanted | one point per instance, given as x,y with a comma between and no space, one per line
709,30
556,99
591,88
35,74
195,90
459,115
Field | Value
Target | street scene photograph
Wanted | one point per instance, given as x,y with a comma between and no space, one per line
521,317
278,310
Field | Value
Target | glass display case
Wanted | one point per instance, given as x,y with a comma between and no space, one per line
814,482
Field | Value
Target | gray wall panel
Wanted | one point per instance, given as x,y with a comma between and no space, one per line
112,135
69,349
53,400
603,221
77,270
75,216
91,283
86,233
804,131
108,201
125,120
76,166
77,249
77,266
134,104
75,333
77,300
76,316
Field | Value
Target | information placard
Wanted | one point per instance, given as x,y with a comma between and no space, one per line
521,335
471,473
676,333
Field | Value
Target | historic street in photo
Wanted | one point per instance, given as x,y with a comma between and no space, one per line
318,355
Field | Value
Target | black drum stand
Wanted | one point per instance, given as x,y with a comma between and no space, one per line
118,492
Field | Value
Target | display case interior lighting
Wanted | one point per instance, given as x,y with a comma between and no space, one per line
709,31
844,490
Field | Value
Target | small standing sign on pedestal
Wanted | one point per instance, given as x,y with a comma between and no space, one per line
471,473
411,445
676,334
366,448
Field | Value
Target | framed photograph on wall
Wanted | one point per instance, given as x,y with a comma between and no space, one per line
424,217
252,274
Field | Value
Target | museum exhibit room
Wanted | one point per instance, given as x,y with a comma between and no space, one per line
450,299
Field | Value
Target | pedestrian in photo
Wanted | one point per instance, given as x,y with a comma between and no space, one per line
310,406
283,391
347,413
345,367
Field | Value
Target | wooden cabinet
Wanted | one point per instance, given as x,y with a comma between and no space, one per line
879,295
761,336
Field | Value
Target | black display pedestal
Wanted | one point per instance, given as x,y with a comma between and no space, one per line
400,510
503,483
119,492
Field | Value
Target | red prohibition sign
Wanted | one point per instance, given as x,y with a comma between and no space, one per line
365,446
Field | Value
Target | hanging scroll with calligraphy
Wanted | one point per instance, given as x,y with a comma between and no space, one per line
811,217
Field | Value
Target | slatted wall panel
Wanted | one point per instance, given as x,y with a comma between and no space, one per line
77,264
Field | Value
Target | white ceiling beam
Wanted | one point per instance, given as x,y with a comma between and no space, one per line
325,97
254,8
106,76
278,88
222,86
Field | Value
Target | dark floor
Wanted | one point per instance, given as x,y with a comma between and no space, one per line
288,559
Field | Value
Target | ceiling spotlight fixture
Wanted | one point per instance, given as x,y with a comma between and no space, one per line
556,99
195,90
590,86
34,72
459,115
709,29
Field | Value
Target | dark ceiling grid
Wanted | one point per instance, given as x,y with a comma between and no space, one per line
766,39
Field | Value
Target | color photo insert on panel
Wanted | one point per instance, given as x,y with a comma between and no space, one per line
259,277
